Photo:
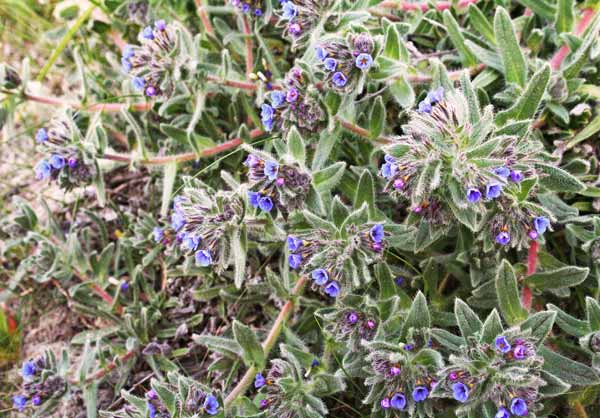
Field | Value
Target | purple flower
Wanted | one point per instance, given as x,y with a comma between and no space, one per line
28,370
502,172
321,53
395,370
502,344
377,233
266,112
399,184
533,234
265,203
271,169
252,161
292,95
503,238
36,400
289,11
388,170
151,410
399,280
352,318
314,363
516,176
263,404
339,79
541,224
420,393
41,136
211,405
203,258
332,289
364,61
43,169
138,83
435,96
398,401
409,347
128,51
294,261
259,381
460,392
57,161
160,25
177,221
385,403
277,98
258,12
293,243
295,29
147,33
151,394
520,352
72,162
190,242
254,199
425,106
493,190
502,413
330,64
519,407
150,91
473,195
320,276
245,8
19,402
126,64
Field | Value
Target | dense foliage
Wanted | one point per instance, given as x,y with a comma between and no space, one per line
306,208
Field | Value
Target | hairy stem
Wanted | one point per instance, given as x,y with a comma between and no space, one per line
108,368
422,6
268,343
586,18
203,14
532,255
249,47
579,410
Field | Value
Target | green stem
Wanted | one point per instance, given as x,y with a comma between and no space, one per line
64,42
267,344
579,410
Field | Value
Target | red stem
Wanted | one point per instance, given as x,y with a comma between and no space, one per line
204,18
532,256
586,18
422,6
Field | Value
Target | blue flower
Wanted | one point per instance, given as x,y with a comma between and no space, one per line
332,289
203,258
502,413
211,405
409,347
389,170
147,33
268,125
289,11
190,242
252,161
277,98
293,243
377,233
435,96
245,8
128,51
339,79
502,172
160,25
493,190
177,221
271,170
19,401
259,381
425,106
138,83
151,410
541,224
461,392
266,113
321,53
36,400
28,370
314,363
292,95
364,61
420,393
320,276
254,199
330,64
502,344
258,12
519,407
294,260
57,161
126,64
398,401
385,403
516,176
43,169
503,238
473,195
265,203
41,136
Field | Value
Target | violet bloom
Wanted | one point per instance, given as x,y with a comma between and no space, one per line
395,370
352,318
293,243
377,233
41,136
420,393
295,29
177,221
398,401
425,106
43,169
266,112
203,258
332,289
19,402
533,234
493,190
320,276
211,405
435,96
292,95
321,53
57,161
502,413
460,392
339,79
385,403
277,98
541,224
473,195
147,33
389,169
271,170
252,161
265,203
503,238
28,370
36,400
138,83
254,199
72,162
364,61
289,11
519,407
502,344
330,64
399,184
520,352
294,260
161,25
259,381
516,176
502,172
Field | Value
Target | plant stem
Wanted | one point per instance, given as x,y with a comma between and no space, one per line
268,343
586,18
349,126
203,14
579,410
422,6
64,42
452,75
532,255
249,52
108,368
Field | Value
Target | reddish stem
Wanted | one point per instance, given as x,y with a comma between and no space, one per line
586,18
204,17
532,256
108,368
422,6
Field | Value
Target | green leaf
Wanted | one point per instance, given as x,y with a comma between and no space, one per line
568,370
329,177
590,130
529,102
564,16
558,180
402,92
165,395
555,279
481,24
225,346
593,313
392,43
569,324
447,339
428,181
471,95
365,192
252,351
377,118
418,315
540,325
492,327
295,146
540,7
515,67
508,294
238,251
457,38
468,321
580,56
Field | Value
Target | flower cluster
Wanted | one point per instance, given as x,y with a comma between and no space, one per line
197,402
251,7
324,259
294,105
344,61
300,17
275,185
353,326
40,383
442,167
65,162
151,64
